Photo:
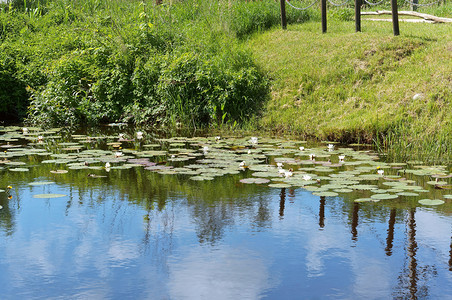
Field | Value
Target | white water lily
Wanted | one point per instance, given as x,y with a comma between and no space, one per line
139,135
107,165
242,164
121,136
380,171
25,130
118,154
306,177
217,138
254,140
330,147
341,157
279,164
40,138
249,151
205,149
301,148
281,171
288,173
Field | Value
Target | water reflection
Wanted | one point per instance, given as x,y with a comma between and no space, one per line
450,259
226,273
322,212
355,216
282,200
390,237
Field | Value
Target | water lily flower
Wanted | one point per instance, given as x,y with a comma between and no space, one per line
139,135
330,147
173,156
217,138
242,164
380,171
288,173
9,187
118,153
306,177
107,165
121,136
341,157
25,130
254,140
249,151
279,164
301,148
40,138
205,149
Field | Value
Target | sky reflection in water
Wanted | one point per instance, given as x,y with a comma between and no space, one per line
285,244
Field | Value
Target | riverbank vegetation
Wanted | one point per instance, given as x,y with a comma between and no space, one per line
226,62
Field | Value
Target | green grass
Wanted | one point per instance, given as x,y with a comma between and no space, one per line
349,86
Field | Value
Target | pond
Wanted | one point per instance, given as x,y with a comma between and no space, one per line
121,214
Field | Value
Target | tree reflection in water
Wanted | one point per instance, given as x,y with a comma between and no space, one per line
390,237
282,201
322,212
355,221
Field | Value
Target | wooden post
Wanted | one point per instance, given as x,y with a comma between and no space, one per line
395,17
358,15
414,6
323,8
283,14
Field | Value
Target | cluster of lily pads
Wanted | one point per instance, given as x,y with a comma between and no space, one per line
327,169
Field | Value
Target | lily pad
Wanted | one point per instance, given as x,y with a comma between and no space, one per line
448,196
325,194
255,180
280,185
408,194
19,169
384,196
41,183
431,202
48,196
365,200
59,171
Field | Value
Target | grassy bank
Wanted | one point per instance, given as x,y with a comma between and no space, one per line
211,63
362,87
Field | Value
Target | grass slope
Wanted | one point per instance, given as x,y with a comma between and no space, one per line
351,86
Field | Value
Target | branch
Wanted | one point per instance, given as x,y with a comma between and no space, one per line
431,18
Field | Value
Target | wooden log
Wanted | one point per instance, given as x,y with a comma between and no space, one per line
428,17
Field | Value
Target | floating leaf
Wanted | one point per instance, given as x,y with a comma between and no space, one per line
255,180
59,171
19,170
448,196
280,185
431,202
325,194
408,194
41,183
41,196
384,196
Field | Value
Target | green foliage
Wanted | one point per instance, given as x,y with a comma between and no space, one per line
92,61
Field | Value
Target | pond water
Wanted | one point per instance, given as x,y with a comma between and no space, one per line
109,216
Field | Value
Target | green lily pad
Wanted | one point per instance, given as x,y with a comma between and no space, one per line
255,180
280,185
448,196
408,194
19,169
41,183
365,200
431,202
59,171
201,178
48,196
325,194
384,196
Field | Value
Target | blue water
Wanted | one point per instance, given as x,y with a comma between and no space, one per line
102,243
